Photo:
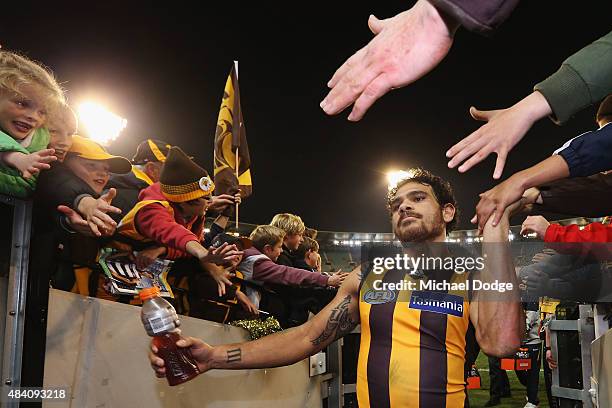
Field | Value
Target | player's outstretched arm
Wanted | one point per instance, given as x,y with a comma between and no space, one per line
338,318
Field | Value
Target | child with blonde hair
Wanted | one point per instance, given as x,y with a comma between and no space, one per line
62,126
27,93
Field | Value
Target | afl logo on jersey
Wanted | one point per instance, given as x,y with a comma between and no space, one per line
377,297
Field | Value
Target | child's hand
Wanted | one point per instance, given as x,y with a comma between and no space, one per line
95,212
246,303
30,164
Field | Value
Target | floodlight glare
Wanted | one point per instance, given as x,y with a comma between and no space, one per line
394,177
100,124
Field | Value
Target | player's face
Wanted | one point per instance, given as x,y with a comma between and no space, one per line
416,215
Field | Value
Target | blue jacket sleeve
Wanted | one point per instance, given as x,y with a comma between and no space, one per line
588,153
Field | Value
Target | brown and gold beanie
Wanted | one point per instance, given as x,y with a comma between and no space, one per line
182,180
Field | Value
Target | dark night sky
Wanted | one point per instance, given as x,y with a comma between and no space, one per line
164,67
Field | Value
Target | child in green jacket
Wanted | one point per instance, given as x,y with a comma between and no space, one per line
27,92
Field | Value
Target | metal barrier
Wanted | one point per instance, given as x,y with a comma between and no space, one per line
14,292
332,386
585,328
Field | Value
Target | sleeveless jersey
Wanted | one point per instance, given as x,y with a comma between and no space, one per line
413,342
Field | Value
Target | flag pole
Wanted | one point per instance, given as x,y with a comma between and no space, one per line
237,163
237,149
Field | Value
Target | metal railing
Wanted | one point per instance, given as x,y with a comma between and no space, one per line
14,287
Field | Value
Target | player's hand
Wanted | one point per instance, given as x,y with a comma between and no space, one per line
201,352
404,48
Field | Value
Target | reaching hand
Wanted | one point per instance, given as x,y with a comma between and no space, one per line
224,253
503,130
201,352
543,256
405,48
220,275
336,279
77,223
147,256
95,212
495,201
246,303
31,164
537,224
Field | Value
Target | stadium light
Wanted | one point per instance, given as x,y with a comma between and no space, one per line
395,176
100,124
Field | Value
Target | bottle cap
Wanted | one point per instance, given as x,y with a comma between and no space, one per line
148,293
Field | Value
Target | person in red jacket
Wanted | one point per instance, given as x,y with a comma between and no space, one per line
590,240
544,230
168,220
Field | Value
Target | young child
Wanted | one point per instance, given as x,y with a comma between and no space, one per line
27,92
62,126
307,255
294,235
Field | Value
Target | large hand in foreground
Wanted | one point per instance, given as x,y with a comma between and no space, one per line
201,352
405,47
503,130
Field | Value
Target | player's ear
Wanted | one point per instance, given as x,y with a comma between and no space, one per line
448,212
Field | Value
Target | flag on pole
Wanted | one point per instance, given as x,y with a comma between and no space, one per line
231,144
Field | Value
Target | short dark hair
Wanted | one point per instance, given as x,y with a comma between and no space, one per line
310,233
308,244
441,188
605,109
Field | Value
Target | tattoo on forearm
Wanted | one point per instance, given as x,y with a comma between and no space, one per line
234,355
339,323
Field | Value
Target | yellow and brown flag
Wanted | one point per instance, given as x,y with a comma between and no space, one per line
229,138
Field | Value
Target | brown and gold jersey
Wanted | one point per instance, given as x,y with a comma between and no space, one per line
413,341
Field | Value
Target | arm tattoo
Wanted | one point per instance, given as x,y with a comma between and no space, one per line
339,323
234,355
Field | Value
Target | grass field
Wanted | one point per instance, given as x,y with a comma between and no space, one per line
479,397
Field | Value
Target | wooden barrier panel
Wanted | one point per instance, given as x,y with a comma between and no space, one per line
99,349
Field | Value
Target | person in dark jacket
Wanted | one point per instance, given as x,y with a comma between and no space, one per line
77,186
306,256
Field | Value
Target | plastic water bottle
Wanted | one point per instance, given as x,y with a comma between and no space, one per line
161,322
